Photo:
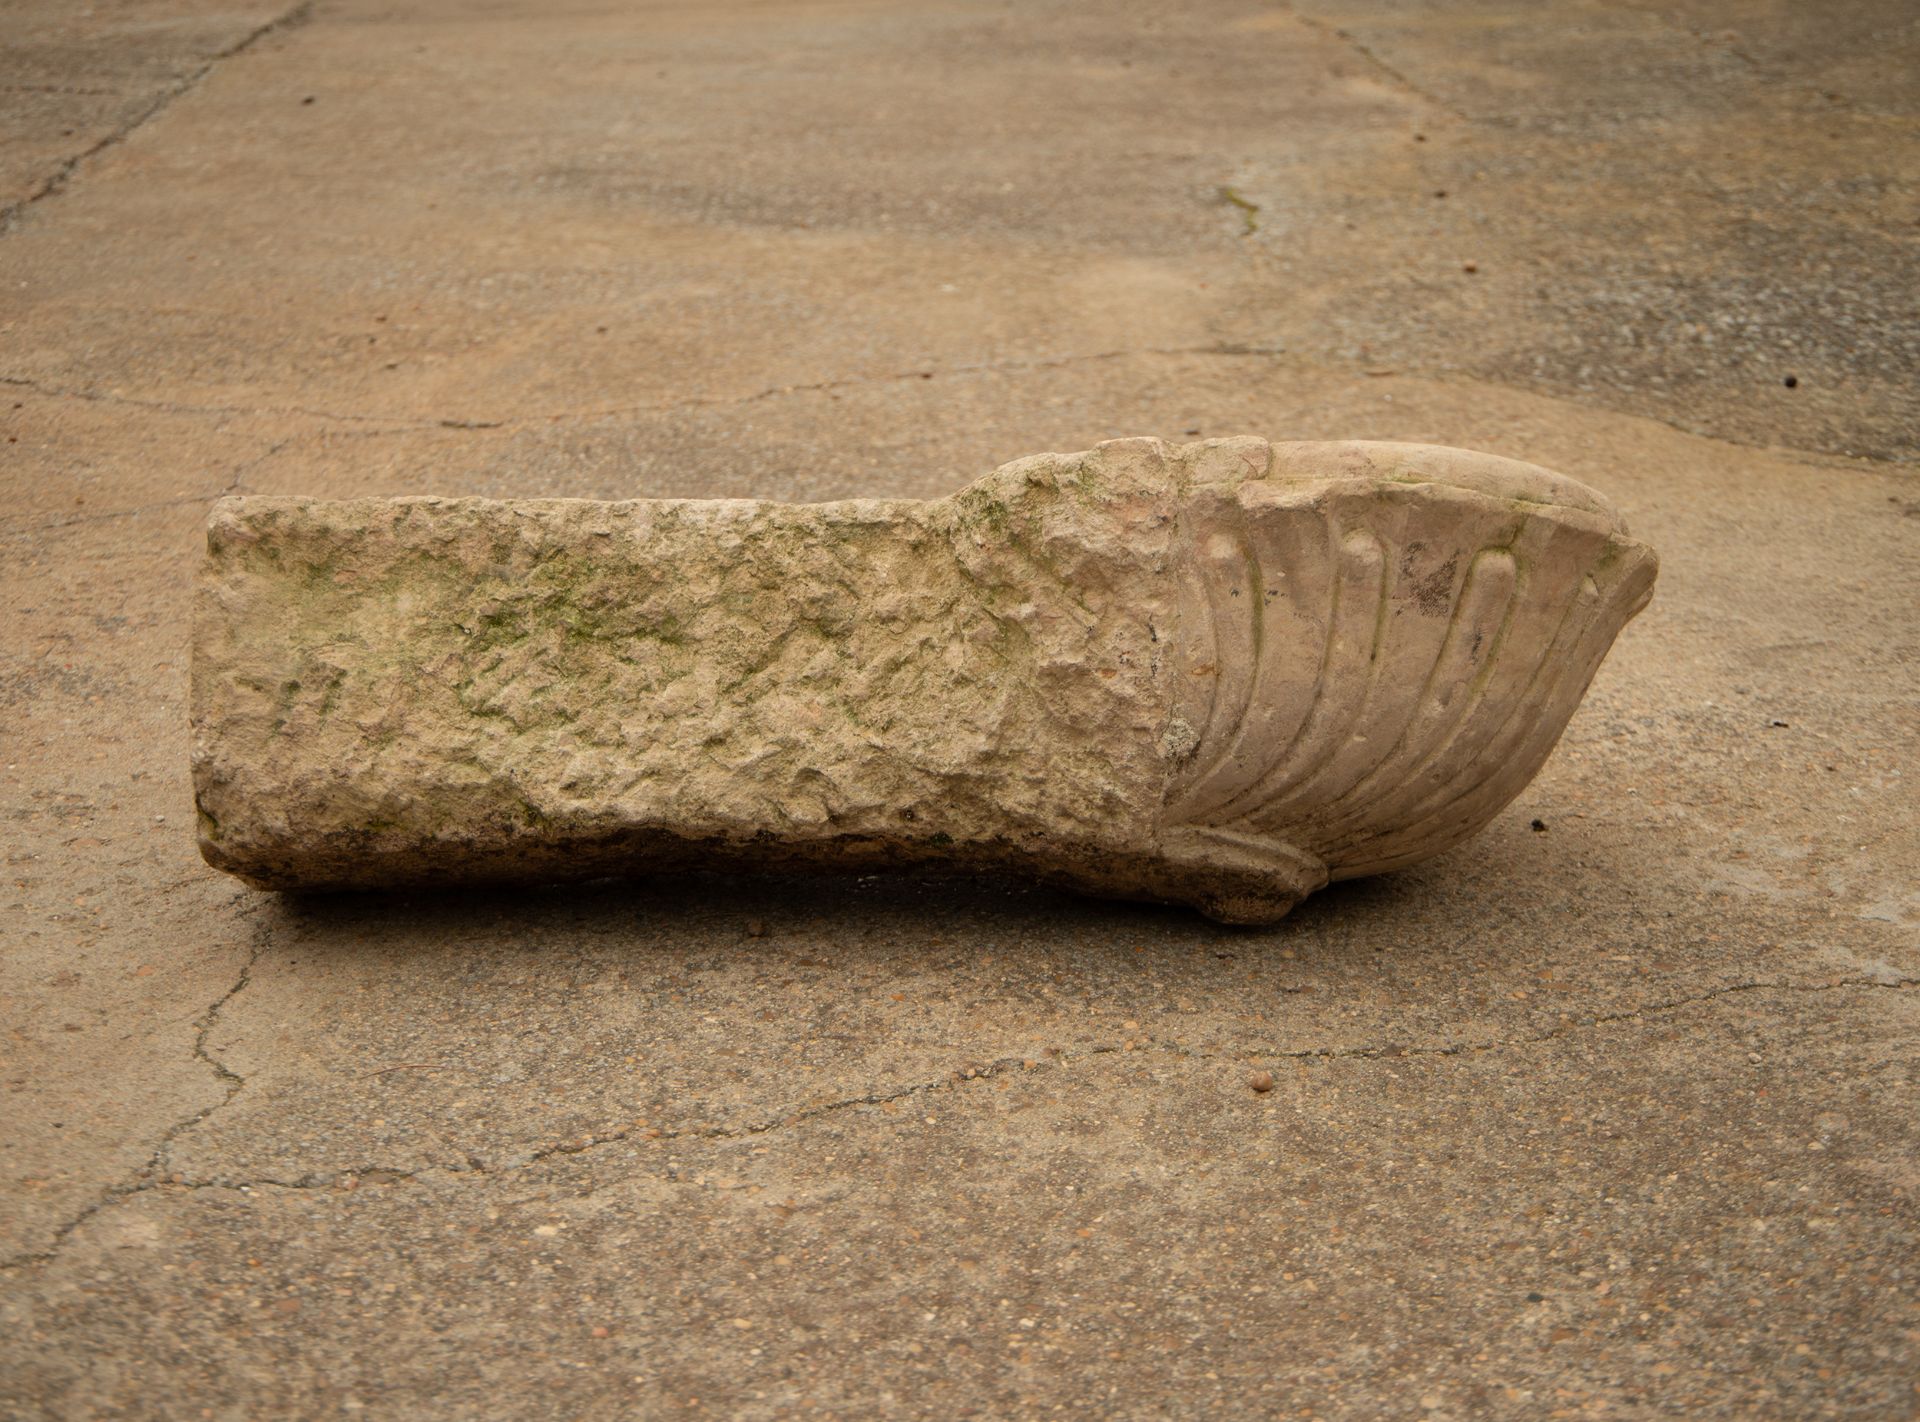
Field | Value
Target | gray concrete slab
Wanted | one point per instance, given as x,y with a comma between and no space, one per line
1607,1111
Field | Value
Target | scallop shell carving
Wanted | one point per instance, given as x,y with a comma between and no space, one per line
1374,663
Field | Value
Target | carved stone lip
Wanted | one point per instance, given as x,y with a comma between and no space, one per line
1220,674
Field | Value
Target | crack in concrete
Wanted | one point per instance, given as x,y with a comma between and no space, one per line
144,1178
72,90
896,377
153,1176
235,485
396,425
1346,37
57,181
1392,1051
791,1118
1728,42
181,407
383,425
115,514
380,1174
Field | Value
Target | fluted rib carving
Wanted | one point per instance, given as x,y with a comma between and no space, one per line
1414,645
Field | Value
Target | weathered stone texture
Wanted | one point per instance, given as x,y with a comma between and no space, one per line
1218,674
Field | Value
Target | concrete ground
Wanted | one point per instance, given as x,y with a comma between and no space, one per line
1610,1111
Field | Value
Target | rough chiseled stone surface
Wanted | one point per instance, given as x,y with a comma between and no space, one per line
1218,674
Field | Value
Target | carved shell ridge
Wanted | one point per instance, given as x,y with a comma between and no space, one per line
1372,668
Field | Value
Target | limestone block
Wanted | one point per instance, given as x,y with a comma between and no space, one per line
1219,674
